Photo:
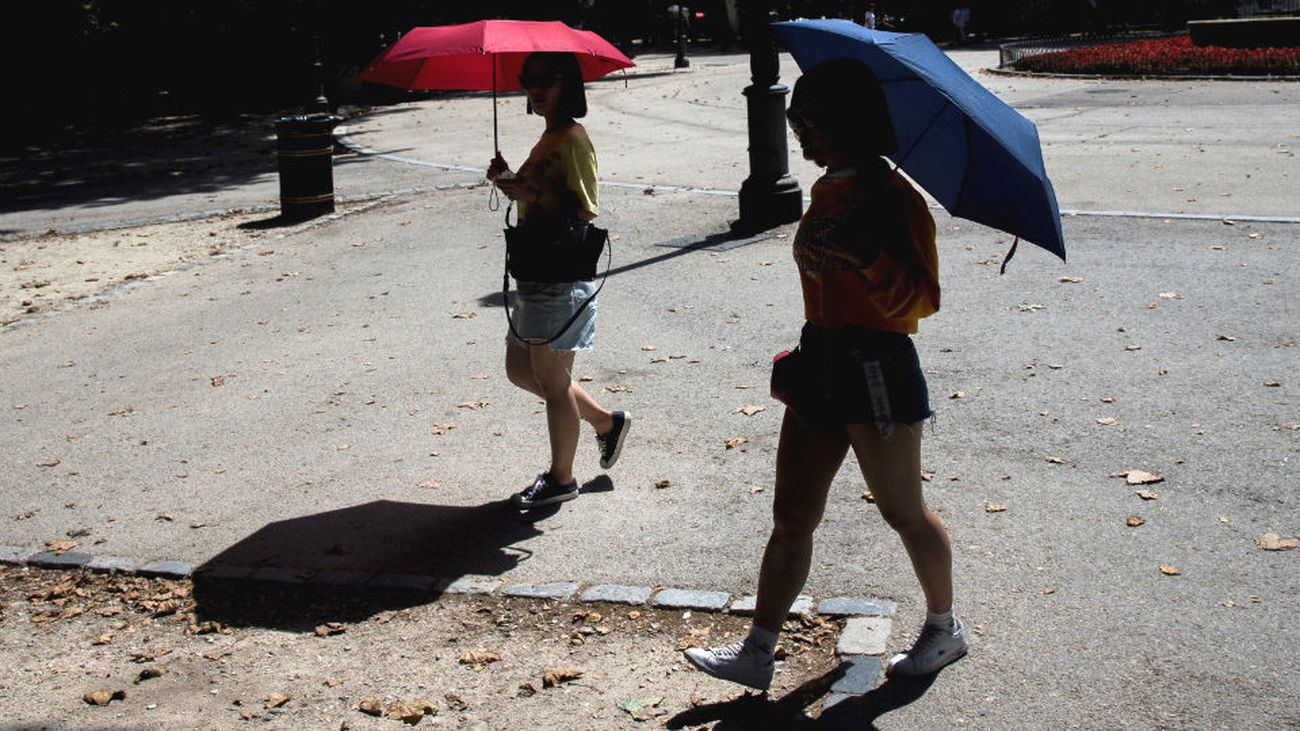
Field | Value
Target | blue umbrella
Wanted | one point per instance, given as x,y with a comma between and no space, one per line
977,156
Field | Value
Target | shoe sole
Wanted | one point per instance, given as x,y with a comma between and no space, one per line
618,443
547,501
891,673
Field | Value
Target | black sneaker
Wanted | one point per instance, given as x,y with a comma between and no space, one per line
544,491
611,442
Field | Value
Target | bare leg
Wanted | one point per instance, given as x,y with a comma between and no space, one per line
892,467
806,462
519,368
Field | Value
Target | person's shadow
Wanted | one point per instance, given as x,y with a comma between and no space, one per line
763,713
347,564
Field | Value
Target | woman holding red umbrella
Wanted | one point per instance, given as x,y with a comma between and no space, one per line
555,188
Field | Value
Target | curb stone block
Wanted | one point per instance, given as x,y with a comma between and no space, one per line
860,676
69,560
334,577
617,594
278,575
747,604
557,590
16,555
416,582
113,565
864,636
691,599
468,585
166,569
231,573
849,606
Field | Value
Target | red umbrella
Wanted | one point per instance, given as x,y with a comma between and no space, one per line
486,55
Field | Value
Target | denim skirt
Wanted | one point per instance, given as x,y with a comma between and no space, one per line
542,309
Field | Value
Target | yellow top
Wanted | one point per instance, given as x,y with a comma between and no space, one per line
865,251
563,165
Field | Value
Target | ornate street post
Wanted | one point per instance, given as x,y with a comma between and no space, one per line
770,196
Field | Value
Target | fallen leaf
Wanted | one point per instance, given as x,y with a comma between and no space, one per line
1140,477
1134,346
661,484
755,490
957,394
866,495
331,628
411,713
60,547
104,697
479,658
371,706
1049,590
1272,384
463,315
1273,542
275,700
1134,521
618,389
1070,280
1107,421
48,463
152,671
1169,571
995,508
556,676
430,483
1056,460
472,405
733,443
1146,494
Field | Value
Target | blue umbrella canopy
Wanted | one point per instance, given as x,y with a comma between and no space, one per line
977,156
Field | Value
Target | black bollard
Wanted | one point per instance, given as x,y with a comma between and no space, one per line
770,196
304,151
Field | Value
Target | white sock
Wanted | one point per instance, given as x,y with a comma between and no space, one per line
941,620
762,639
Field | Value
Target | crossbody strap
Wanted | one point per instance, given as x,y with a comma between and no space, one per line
505,292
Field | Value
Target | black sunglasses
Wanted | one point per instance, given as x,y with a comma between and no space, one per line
537,81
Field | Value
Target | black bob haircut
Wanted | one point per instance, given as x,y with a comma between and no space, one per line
843,97
573,97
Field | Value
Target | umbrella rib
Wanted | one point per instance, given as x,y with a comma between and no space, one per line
946,103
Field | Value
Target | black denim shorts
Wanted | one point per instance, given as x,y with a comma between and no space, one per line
852,375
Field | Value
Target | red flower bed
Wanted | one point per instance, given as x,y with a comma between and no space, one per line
1166,56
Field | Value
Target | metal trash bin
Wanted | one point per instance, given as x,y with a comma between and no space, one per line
304,149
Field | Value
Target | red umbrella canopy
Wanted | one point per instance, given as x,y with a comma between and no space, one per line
486,55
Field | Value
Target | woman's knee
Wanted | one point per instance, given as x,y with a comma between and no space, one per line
913,521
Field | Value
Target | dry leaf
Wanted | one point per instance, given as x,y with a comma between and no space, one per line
1146,494
995,508
472,405
866,495
331,628
957,394
755,490
411,713
61,546
1273,542
479,658
661,484
1056,460
618,389
556,676
103,697
1140,477
749,410
1049,590
733,443
48,463
275,700
1107,421
1070,280
1169,571
153,671
430,483
372,706
1134,521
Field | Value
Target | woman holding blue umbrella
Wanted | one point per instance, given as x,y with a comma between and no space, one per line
868,268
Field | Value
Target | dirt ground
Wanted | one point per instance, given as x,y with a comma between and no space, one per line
41,274
88,650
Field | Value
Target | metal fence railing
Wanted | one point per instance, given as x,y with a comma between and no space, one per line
1251,8
1010,53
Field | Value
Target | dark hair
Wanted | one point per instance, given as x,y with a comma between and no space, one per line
573,97
843,97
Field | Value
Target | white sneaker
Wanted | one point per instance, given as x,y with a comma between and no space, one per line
932,649
738,662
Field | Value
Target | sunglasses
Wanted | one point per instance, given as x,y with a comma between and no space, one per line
538,81
799,119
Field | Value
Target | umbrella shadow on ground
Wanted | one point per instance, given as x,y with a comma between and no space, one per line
750,712
348,564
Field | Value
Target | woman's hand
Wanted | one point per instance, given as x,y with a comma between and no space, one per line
497,167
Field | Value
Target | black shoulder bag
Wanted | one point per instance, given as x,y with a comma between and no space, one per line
549,247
